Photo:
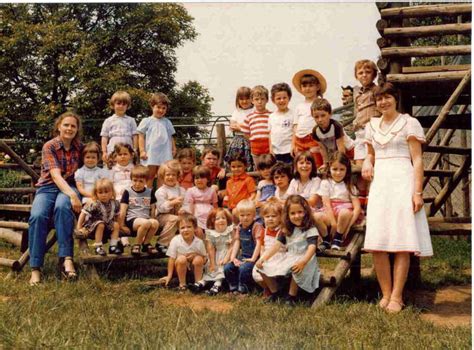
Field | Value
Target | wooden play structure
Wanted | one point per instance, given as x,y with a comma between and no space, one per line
439,96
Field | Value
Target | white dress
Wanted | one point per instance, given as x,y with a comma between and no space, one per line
221,242
296,245
391,224
268,242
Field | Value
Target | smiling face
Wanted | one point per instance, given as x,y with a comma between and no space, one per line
365,75
91,159
159,110
272,219
259,102
187,164
201,182
220,224
321,118
237,168
386,104
186,230
304,167
245,102
296,214
68,129
281,100
338,171
170,178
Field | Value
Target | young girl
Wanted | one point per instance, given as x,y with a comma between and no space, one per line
120,172
201,198
341,205
240,144
241,185
155,137
265,188
305,182
100,217
281,175
187,160
87,175
300,236
218,242
271,213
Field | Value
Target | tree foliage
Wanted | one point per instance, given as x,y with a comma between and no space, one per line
74,56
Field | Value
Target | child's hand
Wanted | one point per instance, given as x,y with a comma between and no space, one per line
221,174
237,262
298,267
105,157
143,155
221,262
367,170
164,280
259,263
248,260
322,168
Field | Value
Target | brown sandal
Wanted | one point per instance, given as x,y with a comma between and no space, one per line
136,250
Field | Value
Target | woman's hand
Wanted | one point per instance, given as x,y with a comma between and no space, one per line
417,200
367,170
76,203
298,267
237,262
221,174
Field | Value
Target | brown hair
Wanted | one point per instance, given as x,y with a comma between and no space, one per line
211,150
187,153
91,147
120,96
386,89
119,146
321,104
102,184
281,168
201,171
187,217
266,161
139,172
158,99
211,219
271,206
63,116
365,63
344,160
171,165
307,156
242,91
279,88
259,90
308,220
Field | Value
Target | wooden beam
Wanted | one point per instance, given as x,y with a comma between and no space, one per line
438,172
381,25
427,69
383,64
20,161
26,208
383,42
427,11
26,255
438,77
16,225
10,236
426,51
18,190
422,31
97,259
221,141
13,166
447,150
424,98
450,229
436,158
13,264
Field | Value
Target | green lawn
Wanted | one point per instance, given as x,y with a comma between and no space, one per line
118,311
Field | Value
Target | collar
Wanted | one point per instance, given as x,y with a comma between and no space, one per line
240,177
274,232
227,231
363,89
383,137
58,144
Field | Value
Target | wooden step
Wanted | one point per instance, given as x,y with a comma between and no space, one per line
438,173
427,69
450,229
447,150
426,10
18,190
425,51
427,30
453,121
15,225
330,253
97,259
26,208
13,264
431,77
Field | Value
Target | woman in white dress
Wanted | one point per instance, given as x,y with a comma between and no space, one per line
396,221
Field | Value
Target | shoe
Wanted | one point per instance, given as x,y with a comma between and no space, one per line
323,246
290,301
149,249
273,298
195,287
182,289
115,249
68,274
161,249
136,250
214,290
99,250
336,244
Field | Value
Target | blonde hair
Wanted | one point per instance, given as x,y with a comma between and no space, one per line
63,116
120,96
171,165
103,184
271,207
246,204
365,63
259,90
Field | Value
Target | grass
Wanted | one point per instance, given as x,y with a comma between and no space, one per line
118,311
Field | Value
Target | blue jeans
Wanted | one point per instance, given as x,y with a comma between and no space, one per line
50,207
239,278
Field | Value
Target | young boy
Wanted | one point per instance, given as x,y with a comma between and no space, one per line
312,85
187,160
210,158
238,273
155,136
281,174
280,124
119,127
186,253
329,133
137,208
256,123
240,185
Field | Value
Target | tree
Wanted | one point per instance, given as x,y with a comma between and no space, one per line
60,56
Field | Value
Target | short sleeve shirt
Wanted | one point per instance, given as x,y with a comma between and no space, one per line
118,129
178,247
280,127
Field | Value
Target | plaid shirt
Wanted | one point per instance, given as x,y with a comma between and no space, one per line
55,156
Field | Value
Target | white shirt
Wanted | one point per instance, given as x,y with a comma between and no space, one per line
335,190
178,246
303,119
280,126
238,116
306,190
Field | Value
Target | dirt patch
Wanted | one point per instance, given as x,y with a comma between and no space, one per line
198,303
449,306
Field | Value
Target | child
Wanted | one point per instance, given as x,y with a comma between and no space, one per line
210,158
238,272
265,188
312,85
120,173
281,175
87,175
271,213
186,253
280,124
341,205
100,217
218,242
240,185
137,207
256,123
300,236
201,198
329,133
305,182
155,137
187,160
169,200
240,143
119,127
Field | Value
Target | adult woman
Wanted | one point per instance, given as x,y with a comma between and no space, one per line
396,222
56,197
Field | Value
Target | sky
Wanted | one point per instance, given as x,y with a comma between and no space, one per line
247,44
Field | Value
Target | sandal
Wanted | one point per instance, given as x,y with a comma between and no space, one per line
136,250
394,306
68,274
148,248
99,250
182,289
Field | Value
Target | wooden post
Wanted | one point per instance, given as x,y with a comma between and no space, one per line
221,141
426,10
10,236
20,161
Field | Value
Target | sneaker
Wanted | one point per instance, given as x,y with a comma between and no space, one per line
336,244
195,287
214,290
115,249
161,249
99,250
323,246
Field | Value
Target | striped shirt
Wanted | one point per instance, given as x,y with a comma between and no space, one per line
256,126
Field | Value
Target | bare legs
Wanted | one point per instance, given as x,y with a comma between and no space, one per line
181,265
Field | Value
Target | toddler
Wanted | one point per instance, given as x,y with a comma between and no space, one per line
187,160
305,182
312,85
256,123
240,144
265,188
280,124
281,175
155,137
245,249
87,175
137,207
119,128
240,185
300,237
186,253
120,173
99,218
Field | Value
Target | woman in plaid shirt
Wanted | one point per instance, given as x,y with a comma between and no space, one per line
56,197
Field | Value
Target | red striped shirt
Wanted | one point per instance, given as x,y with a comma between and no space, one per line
256,126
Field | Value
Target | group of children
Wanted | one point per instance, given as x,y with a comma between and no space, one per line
233,230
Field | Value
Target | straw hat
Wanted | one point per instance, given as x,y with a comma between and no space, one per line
297,78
